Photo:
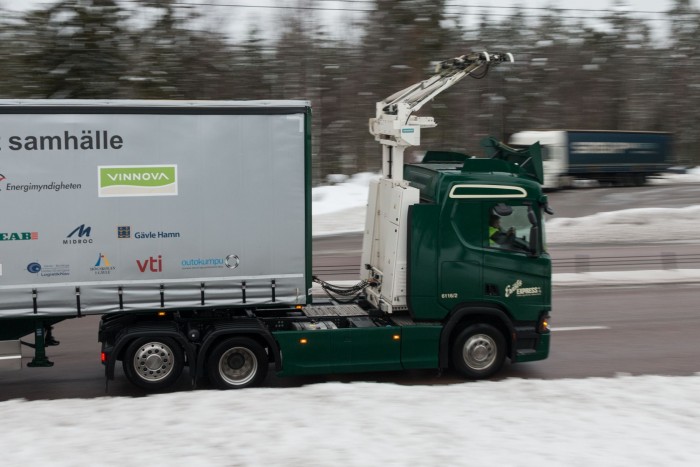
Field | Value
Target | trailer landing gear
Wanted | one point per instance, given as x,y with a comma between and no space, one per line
42,338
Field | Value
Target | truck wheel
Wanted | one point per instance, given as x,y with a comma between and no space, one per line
238,362
153,363
479,351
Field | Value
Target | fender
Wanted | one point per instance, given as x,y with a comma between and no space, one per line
465,311
239,327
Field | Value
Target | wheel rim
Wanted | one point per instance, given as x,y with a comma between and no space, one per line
238,365
479,351
154,361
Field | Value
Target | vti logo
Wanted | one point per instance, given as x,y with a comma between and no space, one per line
79,236
151,264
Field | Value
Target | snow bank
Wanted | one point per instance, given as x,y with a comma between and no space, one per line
647,420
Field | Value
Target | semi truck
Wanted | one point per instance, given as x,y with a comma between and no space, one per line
186,225
623,158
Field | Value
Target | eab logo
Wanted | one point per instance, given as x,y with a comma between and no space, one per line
137,180
7,236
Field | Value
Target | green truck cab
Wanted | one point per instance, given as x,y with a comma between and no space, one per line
471,302
458,274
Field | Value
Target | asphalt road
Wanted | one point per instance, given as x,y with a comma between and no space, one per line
598,331
601,331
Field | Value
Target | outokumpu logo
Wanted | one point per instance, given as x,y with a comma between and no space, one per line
102,266
136,180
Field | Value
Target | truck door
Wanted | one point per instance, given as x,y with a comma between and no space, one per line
460,253
514,274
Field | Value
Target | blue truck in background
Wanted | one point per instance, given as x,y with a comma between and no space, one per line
617,157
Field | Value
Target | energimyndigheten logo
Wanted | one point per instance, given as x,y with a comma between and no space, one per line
79,236
136,180
39,187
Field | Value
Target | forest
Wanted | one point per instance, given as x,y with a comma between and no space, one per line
574,69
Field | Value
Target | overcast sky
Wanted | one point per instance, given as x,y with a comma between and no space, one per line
243,13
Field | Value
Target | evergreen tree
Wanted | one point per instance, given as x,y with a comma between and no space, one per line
75,50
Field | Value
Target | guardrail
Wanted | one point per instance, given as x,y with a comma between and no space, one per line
664,260
578,263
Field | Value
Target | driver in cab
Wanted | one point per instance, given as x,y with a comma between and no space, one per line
498,237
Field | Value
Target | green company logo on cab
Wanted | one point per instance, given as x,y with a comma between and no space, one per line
137,180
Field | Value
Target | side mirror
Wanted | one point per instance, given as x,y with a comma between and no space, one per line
531,217
534,239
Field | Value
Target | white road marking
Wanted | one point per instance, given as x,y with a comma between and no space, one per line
581,328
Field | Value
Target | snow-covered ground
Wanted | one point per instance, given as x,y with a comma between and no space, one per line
341,208
622,421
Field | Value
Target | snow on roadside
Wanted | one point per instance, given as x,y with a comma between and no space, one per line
341,209
626,420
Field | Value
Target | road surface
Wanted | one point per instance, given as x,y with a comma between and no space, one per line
599,331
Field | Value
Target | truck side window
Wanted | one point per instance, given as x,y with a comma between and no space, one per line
509,231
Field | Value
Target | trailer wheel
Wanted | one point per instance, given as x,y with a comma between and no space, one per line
479,351
153,363
236,363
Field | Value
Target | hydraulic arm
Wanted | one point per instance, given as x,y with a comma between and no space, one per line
396,128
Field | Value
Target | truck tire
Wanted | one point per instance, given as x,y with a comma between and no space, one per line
153,363
236,363
479,351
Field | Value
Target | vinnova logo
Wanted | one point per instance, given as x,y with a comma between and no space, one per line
137,180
